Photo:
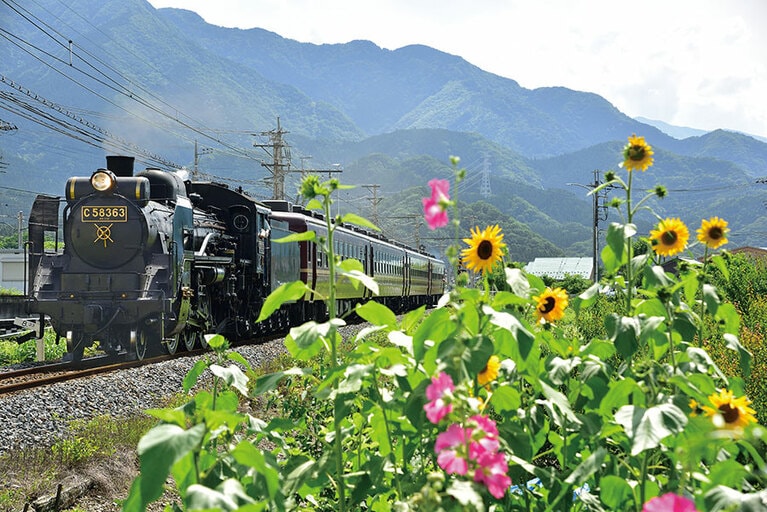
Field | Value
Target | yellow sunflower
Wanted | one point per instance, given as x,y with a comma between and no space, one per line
490,372
713,232
670,237
728,411
551,304
485,249
637,154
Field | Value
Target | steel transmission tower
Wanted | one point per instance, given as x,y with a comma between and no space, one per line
279,150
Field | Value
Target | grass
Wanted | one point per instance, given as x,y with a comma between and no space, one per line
28,474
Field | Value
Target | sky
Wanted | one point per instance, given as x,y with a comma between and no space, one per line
693,63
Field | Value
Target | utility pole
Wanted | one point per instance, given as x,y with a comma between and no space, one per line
374,200
21,229
484,187
197,154
279,150
597,211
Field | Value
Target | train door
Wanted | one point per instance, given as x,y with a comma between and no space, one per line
405,274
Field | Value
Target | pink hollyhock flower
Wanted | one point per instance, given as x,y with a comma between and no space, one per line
484,436
491,471
450,448
669,502
440,387
434,207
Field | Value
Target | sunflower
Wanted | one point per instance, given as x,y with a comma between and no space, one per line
733,412
713,232
485,249
670,237
551,304
490,372
637,154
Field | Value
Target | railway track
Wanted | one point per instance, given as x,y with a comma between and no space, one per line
53,372
47,374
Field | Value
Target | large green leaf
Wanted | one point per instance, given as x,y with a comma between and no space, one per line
648,427
435,327
296,237
287,292
306,341
158,450
377,314
351,218
233,376
614,491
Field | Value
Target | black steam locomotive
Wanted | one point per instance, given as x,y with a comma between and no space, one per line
152,262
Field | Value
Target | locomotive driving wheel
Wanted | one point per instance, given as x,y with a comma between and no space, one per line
148,338
171,344
190,336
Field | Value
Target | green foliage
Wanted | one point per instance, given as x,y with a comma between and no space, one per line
463,401
12,352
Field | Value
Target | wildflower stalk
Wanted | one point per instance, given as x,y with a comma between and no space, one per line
452,250
702,301
629,246
392,448
332,310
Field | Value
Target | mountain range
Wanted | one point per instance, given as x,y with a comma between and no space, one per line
89,77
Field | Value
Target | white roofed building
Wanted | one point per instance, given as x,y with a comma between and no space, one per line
558,268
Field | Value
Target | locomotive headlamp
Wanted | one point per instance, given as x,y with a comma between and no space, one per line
103,180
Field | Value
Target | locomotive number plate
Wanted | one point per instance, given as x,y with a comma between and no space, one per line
104,213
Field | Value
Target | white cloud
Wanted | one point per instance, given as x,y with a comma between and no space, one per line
698,63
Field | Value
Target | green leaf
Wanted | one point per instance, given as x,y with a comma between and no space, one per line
194,374
560,403
506,399
270,382
237,358
376,314
624,332
614,492
621,393
722,498
711,298
356,277
350,218
296,237
615,254
158,450
247,454
233,376
466,494
287,292
412,318
436,327
199,497
379,433
727,314
314,204
732,342
174,416
354,378
306,341
586,298
519,284
648,427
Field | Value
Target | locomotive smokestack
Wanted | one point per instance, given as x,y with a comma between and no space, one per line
122,166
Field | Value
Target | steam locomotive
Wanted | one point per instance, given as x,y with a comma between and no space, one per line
152,262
